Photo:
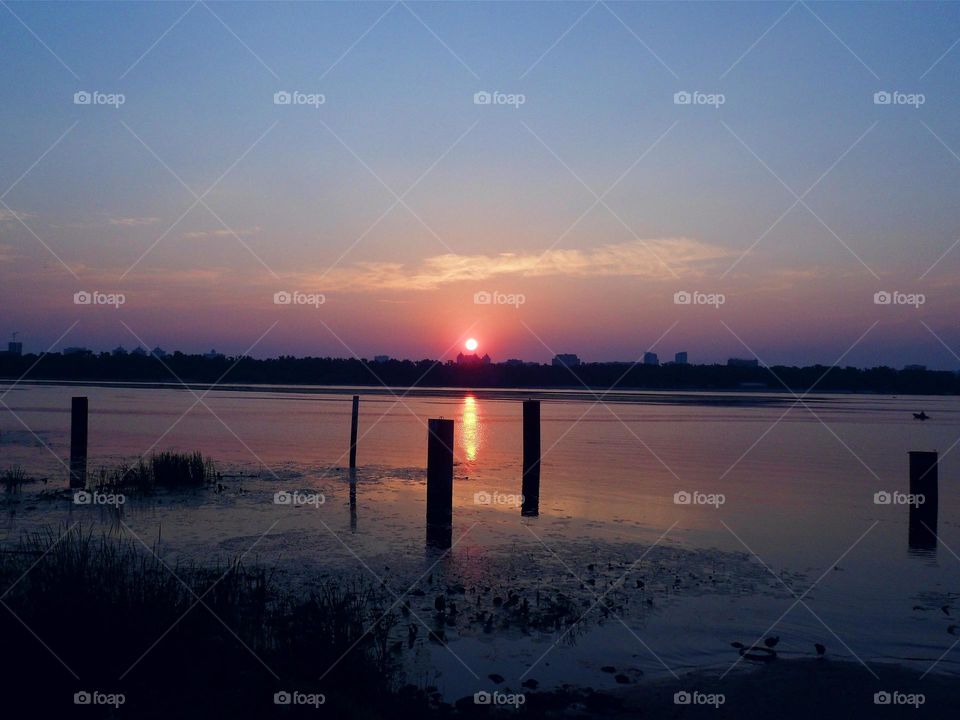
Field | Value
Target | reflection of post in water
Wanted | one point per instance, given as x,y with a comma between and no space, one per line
353,500
530,483
924,481
439,537
439,482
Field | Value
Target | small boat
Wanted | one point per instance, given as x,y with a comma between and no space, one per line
921,416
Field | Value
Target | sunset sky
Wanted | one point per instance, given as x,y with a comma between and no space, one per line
399,198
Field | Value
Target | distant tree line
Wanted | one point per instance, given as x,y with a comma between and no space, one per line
429,373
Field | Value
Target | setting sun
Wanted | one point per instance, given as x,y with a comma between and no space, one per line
471,344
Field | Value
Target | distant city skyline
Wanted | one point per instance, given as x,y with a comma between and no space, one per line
463,357
353,179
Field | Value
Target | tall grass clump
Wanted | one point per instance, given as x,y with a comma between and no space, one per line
164,469
171,469
13,478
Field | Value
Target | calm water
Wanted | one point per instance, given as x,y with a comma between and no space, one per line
677,583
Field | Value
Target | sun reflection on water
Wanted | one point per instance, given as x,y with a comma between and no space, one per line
470,432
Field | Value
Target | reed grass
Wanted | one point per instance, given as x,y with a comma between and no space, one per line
164,469
13,479
186,640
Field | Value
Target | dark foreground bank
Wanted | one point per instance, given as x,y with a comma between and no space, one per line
101,626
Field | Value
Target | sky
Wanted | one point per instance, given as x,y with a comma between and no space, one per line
775,164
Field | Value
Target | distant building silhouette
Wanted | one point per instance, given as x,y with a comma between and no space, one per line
119,350
650,358
77,351
15,348
213,355
472,359
680,358
914,367
139,352
513,362
565,360
743,362
158,352
381,358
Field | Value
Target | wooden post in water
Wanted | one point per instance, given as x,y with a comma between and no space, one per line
78,442
924,475
530,483
354,420
924,481
440,472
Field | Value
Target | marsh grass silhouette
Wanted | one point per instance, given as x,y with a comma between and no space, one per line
123,621
161,470
14,478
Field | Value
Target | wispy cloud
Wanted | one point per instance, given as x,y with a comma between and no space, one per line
14,215
221,232
639,258
133,221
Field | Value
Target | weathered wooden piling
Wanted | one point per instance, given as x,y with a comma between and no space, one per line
354,422
924,478
924,483
530,483
440,472
78,442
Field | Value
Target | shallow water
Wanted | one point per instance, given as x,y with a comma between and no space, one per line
799,511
